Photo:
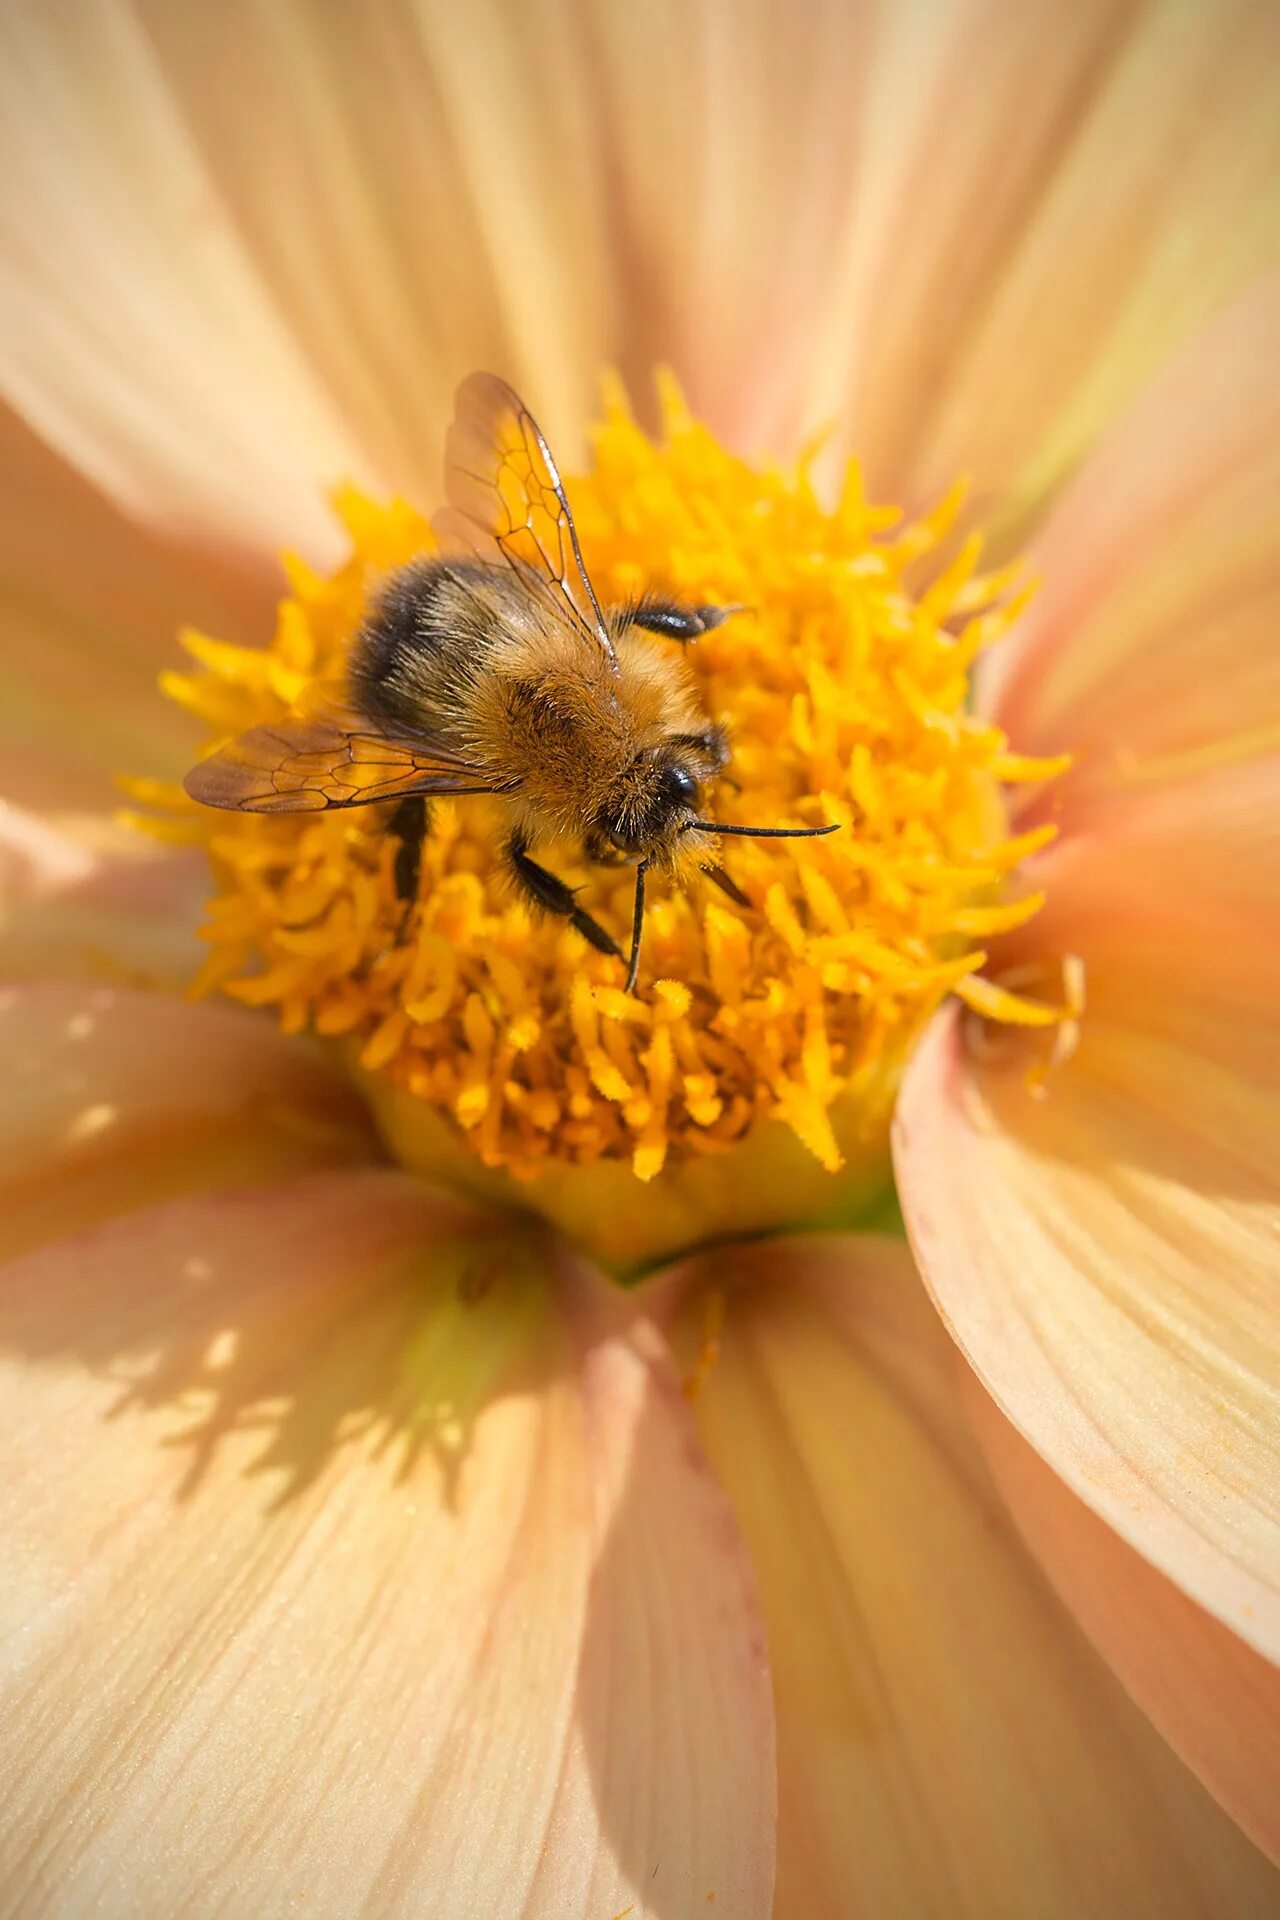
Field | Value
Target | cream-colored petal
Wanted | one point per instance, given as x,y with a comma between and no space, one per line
365,203
730,150
1050,202
412,200
1172,900
1150,651
676,205
1105,1257
417,208
37,856
112,1099
301,226
84,898
1213,1698
947,1743
140,339
90,607
336,212
350,1572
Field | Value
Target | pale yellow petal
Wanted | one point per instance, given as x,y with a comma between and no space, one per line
268,245
947,1743
1105,1256
867,216
1101,1234
1213,1698
139,337
112,1100
90,606
1150,651
1054,200
730,145
352,1571
82,898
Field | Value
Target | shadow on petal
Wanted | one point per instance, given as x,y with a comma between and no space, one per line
339,1510
947,1742
282,1326
114,1100
1214,1699
674,1660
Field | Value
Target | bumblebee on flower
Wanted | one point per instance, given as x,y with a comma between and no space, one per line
366,1553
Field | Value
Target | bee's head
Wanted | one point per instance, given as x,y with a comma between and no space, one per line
659,796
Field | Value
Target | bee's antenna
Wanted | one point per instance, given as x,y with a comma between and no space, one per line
766,833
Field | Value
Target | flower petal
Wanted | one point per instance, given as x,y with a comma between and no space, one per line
348,1570
1213,1698
947,1743
82,898
142,342
1150,651
112,1100
1105,1257
90,607
397,181
1036,235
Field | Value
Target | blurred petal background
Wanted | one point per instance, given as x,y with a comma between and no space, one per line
252,248
281,1514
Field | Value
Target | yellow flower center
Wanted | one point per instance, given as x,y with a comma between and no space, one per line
843,684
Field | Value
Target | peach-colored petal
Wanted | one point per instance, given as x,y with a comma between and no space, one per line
402,186
347,1573
112,1099
83,898
947,1743
299,228
1172,900
332,213
1105,1256
37,857
1051,200
387,195
1213,1698
1150,651
90,606
140,339
731,151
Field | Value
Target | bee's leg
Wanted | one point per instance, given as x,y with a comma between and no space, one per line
409,824
601,852
637,927
726,883
553,896
675,622
711,746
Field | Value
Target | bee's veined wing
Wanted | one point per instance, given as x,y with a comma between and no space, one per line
304,766
507,502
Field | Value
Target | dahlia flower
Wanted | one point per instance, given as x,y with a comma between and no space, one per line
479,1442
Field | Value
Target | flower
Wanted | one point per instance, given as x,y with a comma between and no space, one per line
364,1548
501,1051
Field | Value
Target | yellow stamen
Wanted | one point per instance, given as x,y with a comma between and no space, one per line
844,689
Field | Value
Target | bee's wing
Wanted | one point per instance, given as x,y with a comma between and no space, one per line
303,766
507,503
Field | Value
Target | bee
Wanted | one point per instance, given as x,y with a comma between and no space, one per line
491,668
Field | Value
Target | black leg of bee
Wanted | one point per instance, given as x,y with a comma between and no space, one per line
637,927
711,745
409,824
678,623
553,896
726,883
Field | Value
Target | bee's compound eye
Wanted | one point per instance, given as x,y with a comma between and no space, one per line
679,786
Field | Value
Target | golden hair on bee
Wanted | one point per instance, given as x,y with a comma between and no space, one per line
492,668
